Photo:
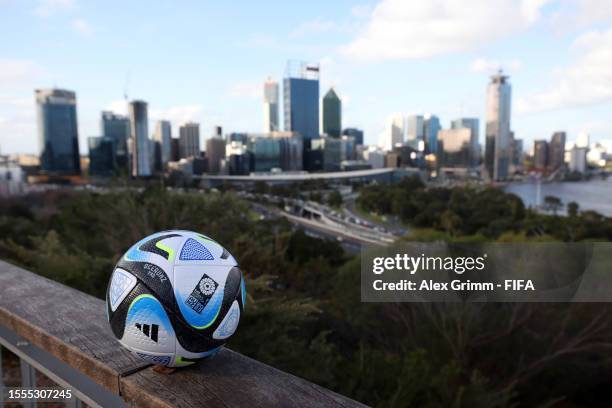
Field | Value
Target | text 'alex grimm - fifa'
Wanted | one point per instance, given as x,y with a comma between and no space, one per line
430,285
403,263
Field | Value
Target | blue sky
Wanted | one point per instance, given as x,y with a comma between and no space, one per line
206,61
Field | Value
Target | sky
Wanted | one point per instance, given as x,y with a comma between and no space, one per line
206,61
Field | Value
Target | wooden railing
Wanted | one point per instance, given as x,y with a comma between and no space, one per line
63,333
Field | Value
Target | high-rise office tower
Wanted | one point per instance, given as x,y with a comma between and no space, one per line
498,142
474,125
556,150
301,99
415,130
139,139
101,156
356,133
454,148
291,150
394,134
430,133
163,136
189,140
540,154
215,152
332,114
271,106
57,131
517,152
301,106
117,128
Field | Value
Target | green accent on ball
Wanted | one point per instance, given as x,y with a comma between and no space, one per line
146,295
166,248
209,323
181,363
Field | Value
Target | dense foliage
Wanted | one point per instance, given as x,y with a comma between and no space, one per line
484,212
304,313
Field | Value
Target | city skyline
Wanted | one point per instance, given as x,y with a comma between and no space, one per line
448,81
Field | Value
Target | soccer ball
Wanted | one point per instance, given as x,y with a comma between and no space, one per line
175,297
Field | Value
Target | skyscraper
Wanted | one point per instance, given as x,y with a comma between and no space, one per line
271,106
301,99
101,156
57,131
117,128
556,150
540,154
356,133
332,114
301,106
215,151
415,130
430,133
454,148
474,125
189,140
163,136
139,139
498,138
394,134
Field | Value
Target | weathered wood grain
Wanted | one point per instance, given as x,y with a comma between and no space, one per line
229,379
69,324
72,326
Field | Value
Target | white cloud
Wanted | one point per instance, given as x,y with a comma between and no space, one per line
81,26
574,15
586,81
485,65
408,29
45,8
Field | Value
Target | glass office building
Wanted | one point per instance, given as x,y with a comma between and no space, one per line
332,114
57,131
101,156
432,127
355,133
140,142
301,99
117,127
266,153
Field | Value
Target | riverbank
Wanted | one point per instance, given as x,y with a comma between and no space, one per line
593,195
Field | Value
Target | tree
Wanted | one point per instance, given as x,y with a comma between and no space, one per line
553,204
572,208
334,199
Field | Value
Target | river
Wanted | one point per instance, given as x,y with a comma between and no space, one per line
590,195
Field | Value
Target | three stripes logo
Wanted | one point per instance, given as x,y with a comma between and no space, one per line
151,331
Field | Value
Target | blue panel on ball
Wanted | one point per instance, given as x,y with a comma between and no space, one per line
207,316
146,309
195,251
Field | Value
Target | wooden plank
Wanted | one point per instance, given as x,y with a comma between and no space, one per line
228,379
72,326
69,324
